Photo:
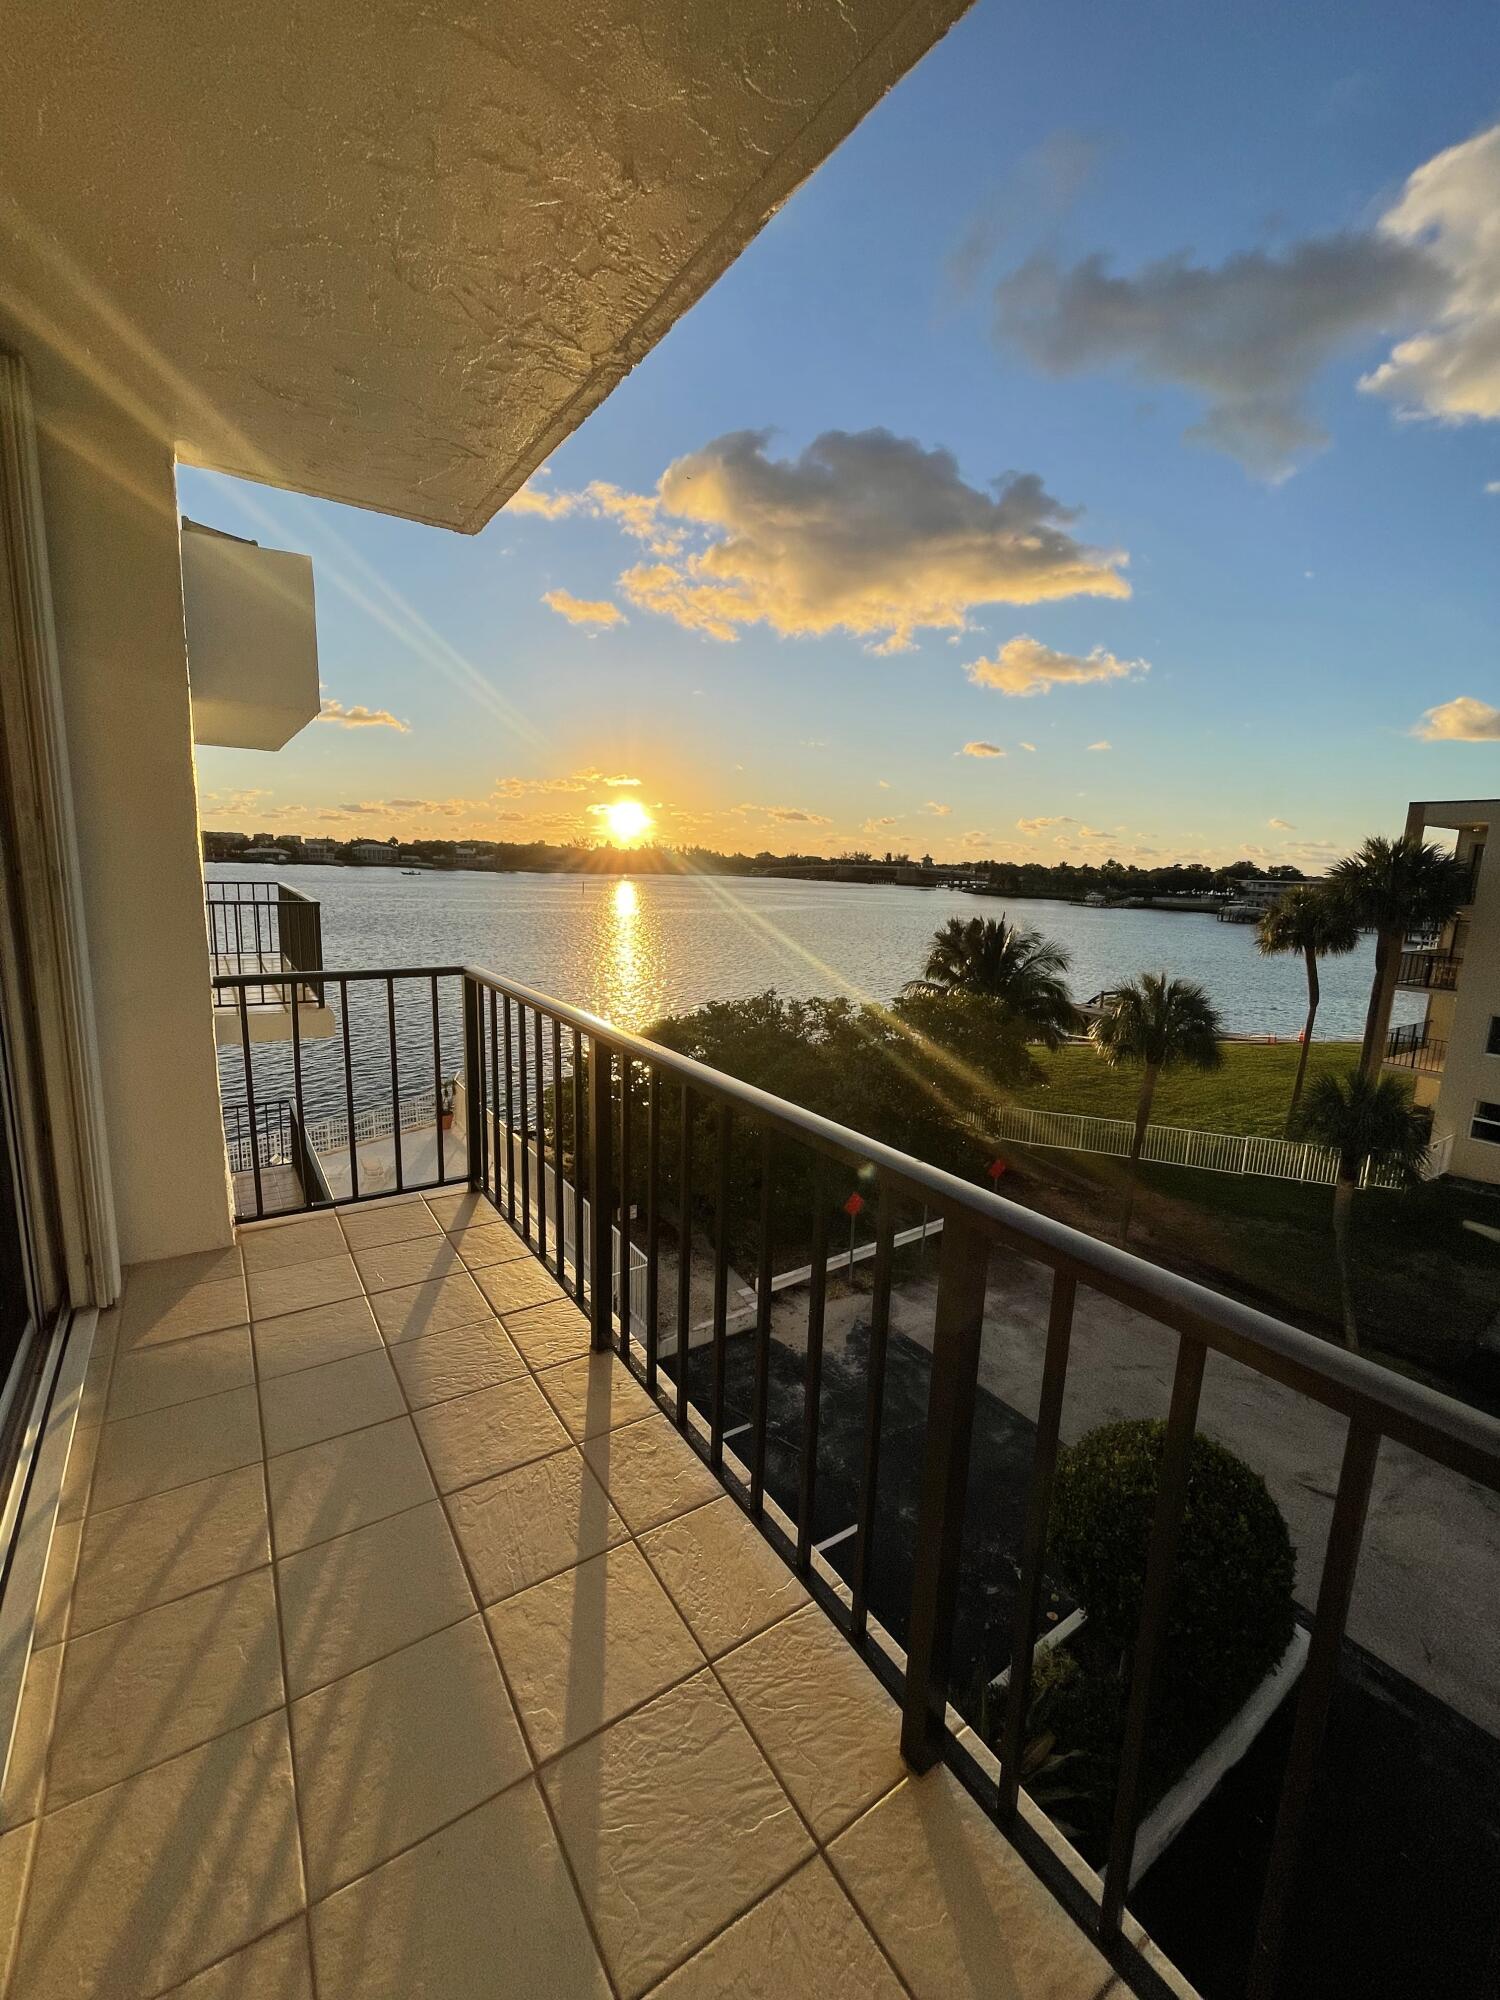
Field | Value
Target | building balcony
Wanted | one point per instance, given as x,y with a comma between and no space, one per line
1429,970
1413,1047
261,934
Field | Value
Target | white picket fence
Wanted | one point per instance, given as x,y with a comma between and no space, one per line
1169,1145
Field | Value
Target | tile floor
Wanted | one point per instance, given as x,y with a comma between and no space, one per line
395,1648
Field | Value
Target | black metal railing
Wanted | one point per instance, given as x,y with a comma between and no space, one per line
1412,1047
1435,970
606,1151
264,928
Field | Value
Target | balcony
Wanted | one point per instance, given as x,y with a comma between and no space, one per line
449,1586
1412,1047
263,932
1429,970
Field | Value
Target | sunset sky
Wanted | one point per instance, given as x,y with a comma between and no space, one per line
1100,455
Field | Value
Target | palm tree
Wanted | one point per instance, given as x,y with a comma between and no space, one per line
1394,887
1363,1118
1158,1022
1319,925
997,959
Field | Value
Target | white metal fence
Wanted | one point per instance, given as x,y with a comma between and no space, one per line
1169,1145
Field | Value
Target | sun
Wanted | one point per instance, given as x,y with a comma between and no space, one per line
625,820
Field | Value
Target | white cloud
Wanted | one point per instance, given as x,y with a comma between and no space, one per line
1283,825
1025,666
937,811
981,750
360,717
864,533
583,610
1462,720
1102,744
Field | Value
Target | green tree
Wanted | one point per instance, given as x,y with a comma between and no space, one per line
1020,970
1319,925
1158,1023
1395,888
1363,1118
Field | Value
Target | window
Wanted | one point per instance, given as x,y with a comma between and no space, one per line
1492,1046
1486,1123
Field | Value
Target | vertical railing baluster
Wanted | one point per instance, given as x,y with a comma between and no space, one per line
760,1400
541,1141
812,1382
560,1230
1034,1537
474,1078
625,1176
601,1198
349,1092
653,1221
260,1203
437,1079
510,1115
958,1327
869,1485
684,1254
1156,1602
1314,1697
724,1135
578,1228
390,1014
524,1093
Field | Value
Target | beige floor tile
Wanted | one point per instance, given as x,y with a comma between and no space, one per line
674,1825
143,1455
345,1482
388,1222
548,1334
83,1453
524,1282
527,1525
414,1310
151,1686
322,1281
805,1937
278,1244
650,1473
318,1403
493,1430
183,1864
390,1265
57,1585
497,1244
153,1378
463,1210
386,1756
320,1334
33,1734
273,1968
832,1733
723,1576
354,1599
955,1906
161,1303
455,1362
170,1545
485,1906
582,1648
593,1395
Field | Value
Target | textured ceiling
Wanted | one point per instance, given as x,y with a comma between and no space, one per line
394,253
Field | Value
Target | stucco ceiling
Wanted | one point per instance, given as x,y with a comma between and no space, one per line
394,253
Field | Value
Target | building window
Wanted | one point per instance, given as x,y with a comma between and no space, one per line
1492,1046
1486,1123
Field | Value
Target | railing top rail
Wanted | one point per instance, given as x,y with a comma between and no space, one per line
1409,1412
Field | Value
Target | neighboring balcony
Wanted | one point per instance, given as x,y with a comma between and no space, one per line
263,933
1429,970
1413,1047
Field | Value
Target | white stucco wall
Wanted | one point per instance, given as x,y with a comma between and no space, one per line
110,502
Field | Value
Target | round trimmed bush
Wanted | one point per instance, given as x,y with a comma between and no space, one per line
1230,1618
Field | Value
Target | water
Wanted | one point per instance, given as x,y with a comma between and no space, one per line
633,950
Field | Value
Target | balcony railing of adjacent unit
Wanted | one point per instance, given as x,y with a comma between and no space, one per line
651,1148
259,926
1412,1047
1435,971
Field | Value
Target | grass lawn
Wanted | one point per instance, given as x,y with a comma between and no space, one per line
1249,1094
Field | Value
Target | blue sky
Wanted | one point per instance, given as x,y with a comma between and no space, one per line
986,268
